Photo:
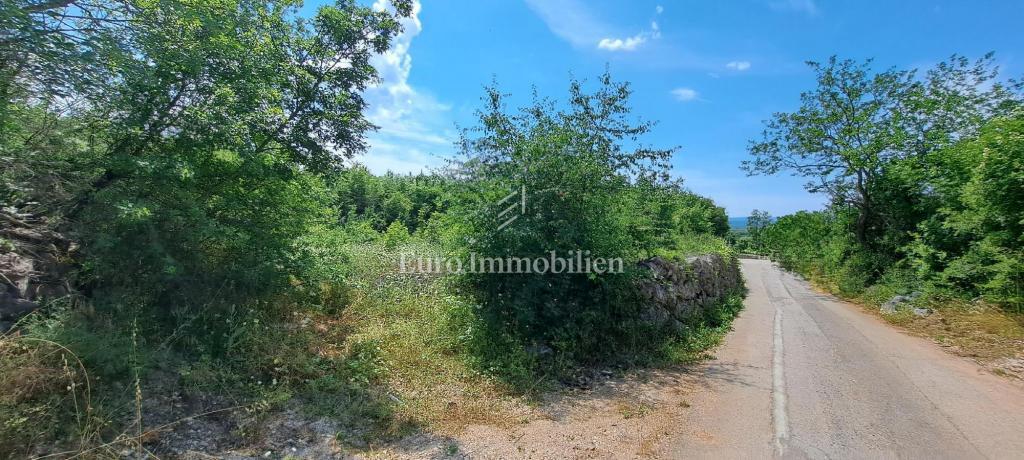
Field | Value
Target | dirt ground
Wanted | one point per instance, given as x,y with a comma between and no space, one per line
622,417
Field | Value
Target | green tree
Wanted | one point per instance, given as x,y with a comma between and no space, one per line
756,224
878,144
189,138
840,138
173,76
986,221
59,48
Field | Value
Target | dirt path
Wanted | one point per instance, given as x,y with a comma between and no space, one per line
622,418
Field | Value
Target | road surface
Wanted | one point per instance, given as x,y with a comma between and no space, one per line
806,376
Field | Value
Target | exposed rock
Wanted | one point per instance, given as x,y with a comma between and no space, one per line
539,349
33,263
1012,367
893,305
675,291
922,312
13,307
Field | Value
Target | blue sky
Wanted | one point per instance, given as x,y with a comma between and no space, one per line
708,72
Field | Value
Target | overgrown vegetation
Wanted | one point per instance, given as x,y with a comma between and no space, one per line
193,151
926,180
587,192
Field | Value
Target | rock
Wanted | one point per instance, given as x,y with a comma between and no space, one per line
539,350
12,307
892,306
34,264
922,312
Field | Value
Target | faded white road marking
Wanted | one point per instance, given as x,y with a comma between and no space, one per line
779,421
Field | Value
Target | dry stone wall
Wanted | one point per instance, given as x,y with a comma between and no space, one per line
677,291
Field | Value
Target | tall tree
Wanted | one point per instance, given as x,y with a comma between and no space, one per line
867,139
840,137
199,131
165,78
756,224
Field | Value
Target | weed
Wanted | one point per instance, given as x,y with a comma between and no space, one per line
693,344
635,409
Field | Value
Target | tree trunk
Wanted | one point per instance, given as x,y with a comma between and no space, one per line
863,209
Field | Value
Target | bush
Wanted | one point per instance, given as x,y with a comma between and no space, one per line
584,192
194,238
395,235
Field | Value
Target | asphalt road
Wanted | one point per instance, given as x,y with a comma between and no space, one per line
806,376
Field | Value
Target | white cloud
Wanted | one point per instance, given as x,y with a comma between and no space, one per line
618,44
572,21
410,121
399,158
630,43
738,65
659,9
801,6
569,20
685,94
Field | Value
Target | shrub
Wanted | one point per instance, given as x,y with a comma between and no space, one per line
584,191
395,235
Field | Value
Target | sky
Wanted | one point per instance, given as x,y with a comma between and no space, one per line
709,72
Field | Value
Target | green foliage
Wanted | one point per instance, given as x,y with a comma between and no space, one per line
853,133
703,335
187,146
194,150
200,236
184,144
925,178
694,244
585,191
840,137
756,224
380,201
673,210
396,234
980,237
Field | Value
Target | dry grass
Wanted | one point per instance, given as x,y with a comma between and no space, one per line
398,358
395,360
44,385
429,376
633,407
987,334
422,376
